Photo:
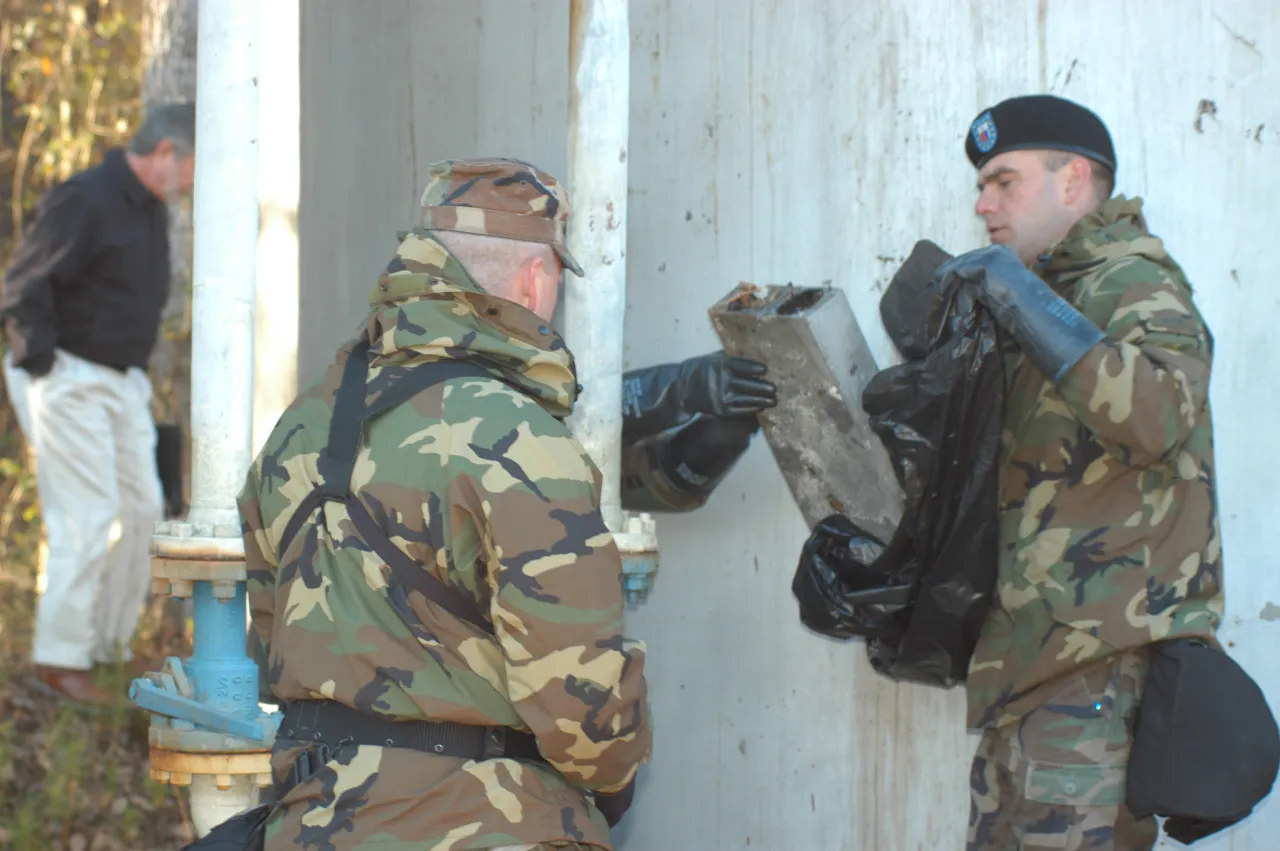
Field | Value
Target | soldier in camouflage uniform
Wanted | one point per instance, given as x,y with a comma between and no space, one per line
685,425
1109,536
477,481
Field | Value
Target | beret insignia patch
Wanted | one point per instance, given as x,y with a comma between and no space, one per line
984,132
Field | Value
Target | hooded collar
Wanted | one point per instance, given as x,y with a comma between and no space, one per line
1115,229
427,307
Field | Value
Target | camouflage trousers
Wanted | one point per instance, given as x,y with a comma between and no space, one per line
1056,778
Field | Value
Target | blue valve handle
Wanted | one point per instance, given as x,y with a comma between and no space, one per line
153,698
217,688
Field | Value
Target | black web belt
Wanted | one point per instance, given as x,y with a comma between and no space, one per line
333,724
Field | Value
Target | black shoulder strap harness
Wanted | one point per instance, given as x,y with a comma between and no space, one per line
327,725
337,463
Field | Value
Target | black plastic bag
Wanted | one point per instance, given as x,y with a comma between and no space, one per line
841,591
920,600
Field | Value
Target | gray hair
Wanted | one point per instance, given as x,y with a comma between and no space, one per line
173,121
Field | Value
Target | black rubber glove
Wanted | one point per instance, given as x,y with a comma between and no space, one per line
1052,333
716,385
677,470
614,807
722,386
699,457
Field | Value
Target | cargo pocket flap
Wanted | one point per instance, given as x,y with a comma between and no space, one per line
1075,785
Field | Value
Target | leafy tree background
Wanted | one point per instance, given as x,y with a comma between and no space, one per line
75,76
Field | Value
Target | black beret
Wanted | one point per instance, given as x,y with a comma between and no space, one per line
1038,121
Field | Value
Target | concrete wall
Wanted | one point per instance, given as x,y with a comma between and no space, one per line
388,87
806,141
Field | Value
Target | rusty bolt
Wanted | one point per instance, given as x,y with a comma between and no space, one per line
178,778
224,589
183,530
180,588
222,781
159,776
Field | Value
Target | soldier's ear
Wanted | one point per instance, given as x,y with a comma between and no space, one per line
535,270
524,289
1077,176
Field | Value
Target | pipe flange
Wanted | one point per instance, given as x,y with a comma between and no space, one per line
177,767
638,535
638,545
183,553
197,542
184,737
174,577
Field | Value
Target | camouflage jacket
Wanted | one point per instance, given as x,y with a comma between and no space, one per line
487,488
1108,516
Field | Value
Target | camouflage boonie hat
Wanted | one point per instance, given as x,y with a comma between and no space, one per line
498,197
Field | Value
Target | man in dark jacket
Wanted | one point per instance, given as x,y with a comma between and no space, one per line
81,313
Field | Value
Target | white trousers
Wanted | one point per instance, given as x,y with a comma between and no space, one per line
94,441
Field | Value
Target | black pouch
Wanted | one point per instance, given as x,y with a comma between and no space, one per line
244,832
1206,747
614,807
247,831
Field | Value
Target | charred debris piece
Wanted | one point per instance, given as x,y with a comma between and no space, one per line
894,470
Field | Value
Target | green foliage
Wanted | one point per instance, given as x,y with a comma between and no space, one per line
73,70
71,76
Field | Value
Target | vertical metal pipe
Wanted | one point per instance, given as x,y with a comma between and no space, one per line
595,305
225,219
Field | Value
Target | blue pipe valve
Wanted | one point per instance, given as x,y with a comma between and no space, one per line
208,703
638,544
216,692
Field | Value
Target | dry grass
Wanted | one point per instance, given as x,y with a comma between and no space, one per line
70,781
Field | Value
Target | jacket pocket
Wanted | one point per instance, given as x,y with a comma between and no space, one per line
1075,785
